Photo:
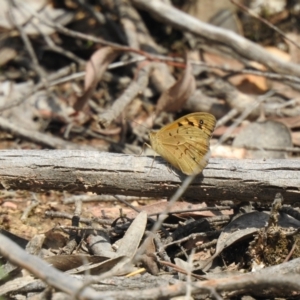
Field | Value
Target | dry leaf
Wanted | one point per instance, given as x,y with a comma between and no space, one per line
246,83
174,98
133,236
244,227
148,258
127,249
94,71
240,228
296,138
98,268
68,262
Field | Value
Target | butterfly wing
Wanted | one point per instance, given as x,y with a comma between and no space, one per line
194,152
185,142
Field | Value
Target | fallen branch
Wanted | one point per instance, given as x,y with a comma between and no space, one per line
110,173
216,38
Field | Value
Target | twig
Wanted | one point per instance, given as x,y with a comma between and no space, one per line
256,16
63,215
207,208
180,270
191,237
42,270
102,198
33,204
284,149
125,99
243,116
229,116
233,71
60,73
72,33
38,137
217,38
28,46
284,277
52,46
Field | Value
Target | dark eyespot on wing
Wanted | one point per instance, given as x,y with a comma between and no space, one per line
200,124
180,124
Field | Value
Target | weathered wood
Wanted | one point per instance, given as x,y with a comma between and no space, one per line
109,173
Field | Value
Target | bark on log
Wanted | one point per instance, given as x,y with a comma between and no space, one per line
109,173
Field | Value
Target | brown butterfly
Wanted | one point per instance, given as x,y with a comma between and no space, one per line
184,143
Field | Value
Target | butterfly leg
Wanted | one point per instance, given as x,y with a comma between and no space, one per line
143,149
172,170
151,165
169,167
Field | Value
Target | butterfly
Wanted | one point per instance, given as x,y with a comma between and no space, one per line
184,143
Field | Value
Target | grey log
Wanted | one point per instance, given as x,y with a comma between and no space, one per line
109,173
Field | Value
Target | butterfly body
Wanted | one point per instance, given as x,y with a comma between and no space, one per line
185,142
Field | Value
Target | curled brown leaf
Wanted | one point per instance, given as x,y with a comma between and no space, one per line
174,98
94,71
